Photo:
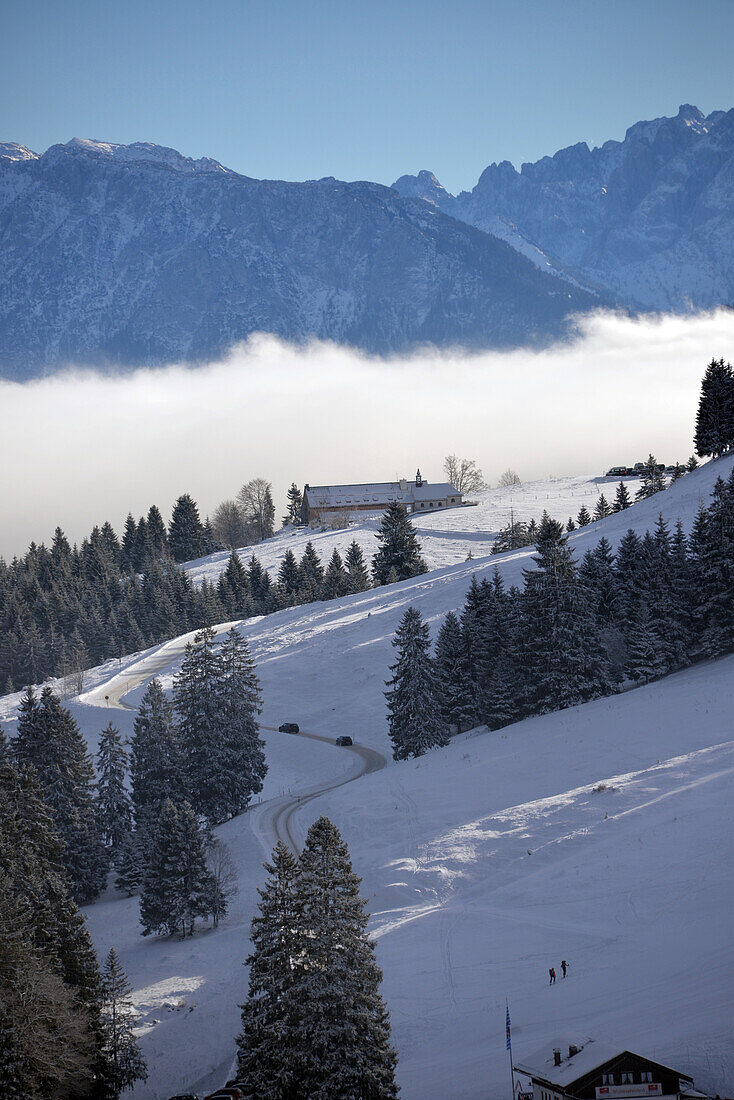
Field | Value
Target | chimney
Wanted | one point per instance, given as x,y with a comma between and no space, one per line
556,1056
572,1049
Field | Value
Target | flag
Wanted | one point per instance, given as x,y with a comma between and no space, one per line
509,1040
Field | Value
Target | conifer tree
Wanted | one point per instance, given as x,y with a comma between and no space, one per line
715,419
49,739
197,692
570,526
358,579
157,534
295,507
178,886
583,518
653,479
335,579
126,1063
560,652
288,578
186,531
448,662
645,660
132,860
311,575
271,1015
114,805
233,588
414,723
156,766
603,509
343,1047
399,549
622,499
692,463
241,765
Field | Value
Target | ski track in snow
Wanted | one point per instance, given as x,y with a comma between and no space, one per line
482,863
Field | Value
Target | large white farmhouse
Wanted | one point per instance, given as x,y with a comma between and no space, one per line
327,505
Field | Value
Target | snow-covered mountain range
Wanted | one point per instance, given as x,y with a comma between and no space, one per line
127,254
649,219
135,254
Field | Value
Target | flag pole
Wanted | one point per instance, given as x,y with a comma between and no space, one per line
509,1047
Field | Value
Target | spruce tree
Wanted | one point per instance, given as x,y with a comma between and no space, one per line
233,589
271,1016
715,419
49,740
448,661
241,751
415,726
197,692
294,516
622,500
603,509
399,549
653,479
178,886
186,531
335,579
358,579
288,578
583,518
311,575
126,1063
343,1046
114,806
561,656
156,765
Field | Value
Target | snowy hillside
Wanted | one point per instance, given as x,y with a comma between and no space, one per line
483,863
446,538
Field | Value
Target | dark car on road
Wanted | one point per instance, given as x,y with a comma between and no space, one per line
344,740
289,727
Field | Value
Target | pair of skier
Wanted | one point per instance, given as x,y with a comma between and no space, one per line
552,971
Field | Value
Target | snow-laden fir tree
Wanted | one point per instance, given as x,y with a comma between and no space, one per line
603,508
293,516
622,499
272,1015
343,1046
156,764
560,652
712,544
178,886
413,718
114,805
335,578
715,418
645,656
653,479
448,661
126,1063
131,861
197,692
49,739
399,549
240,751
358,579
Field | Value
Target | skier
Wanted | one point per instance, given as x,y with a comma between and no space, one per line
552,973
564,967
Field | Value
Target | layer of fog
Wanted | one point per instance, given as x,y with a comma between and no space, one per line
79,448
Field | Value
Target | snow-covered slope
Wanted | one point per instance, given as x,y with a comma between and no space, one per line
650,218
486,862
136,254
446,538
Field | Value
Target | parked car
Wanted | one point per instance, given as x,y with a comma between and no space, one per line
617,471
344,740
184,1096
289,727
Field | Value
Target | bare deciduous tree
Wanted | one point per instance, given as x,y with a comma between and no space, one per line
509,477
464,474
255,498
224,876
228,524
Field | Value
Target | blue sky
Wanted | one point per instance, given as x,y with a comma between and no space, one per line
298,89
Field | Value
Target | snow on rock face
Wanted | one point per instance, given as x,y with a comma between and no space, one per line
135,254
650,219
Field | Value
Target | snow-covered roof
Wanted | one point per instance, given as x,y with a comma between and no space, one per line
379,492
591,1054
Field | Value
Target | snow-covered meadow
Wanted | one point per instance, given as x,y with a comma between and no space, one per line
601,834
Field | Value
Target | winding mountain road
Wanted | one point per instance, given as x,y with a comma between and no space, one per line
277,813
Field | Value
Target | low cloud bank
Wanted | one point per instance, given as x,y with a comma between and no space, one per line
80,447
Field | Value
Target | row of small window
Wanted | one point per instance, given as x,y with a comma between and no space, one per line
625,1078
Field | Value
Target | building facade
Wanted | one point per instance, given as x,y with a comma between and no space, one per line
589,1070
336,505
